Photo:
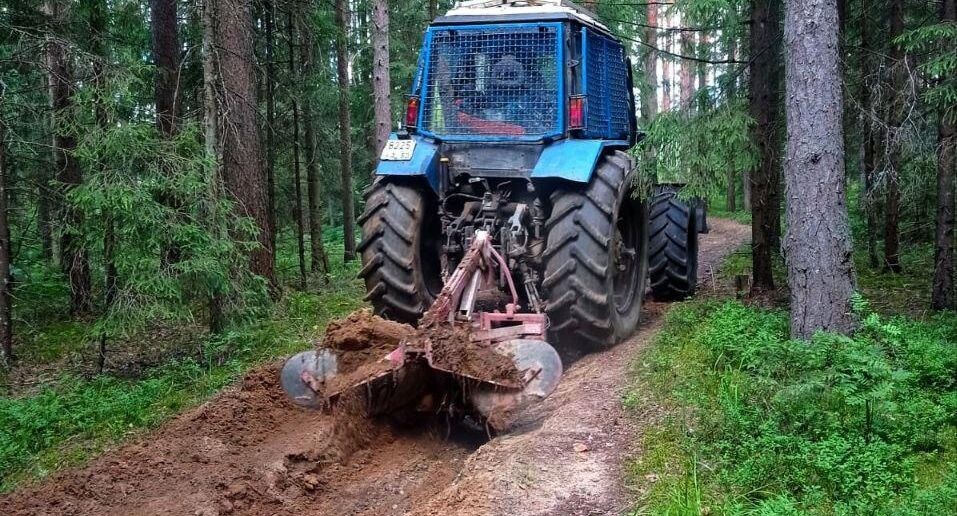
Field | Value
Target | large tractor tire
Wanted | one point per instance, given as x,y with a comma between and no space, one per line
673,258
400,250
595,258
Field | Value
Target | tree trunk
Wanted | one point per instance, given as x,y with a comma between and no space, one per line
686,70
217,319
704,52
73,258
345,131
381,78
6,307
269,15
895,119
433,9
97,12
244,178
166,50
649,90
868,135
319,258
765,86
818,242
731,191
943,296
296,164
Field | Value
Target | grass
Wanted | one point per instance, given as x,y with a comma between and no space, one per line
760,424
718,207
72,419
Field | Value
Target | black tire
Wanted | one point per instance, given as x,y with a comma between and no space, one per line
673,258
400,250
592,230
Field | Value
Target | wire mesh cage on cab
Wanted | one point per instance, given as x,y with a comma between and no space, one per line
488,82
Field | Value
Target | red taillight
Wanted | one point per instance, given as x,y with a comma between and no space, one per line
412,113
576,113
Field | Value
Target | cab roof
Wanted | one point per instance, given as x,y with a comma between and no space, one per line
498,11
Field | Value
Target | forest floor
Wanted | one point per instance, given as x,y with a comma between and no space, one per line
250,451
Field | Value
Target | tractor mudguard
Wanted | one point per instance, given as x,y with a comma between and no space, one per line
424,162
572,160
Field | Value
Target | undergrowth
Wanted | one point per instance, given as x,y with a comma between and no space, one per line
72,418
760,424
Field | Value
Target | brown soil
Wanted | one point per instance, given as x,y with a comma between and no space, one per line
251,452
453,351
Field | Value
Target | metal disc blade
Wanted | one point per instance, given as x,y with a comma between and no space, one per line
319,364
538,360
542,368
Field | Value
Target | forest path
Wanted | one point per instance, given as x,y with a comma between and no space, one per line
248,451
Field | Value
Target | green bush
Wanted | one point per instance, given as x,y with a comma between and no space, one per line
838,425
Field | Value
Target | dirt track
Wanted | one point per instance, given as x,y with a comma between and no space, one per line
251,452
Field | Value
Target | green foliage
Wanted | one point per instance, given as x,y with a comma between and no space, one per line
938,44
766,425
699,149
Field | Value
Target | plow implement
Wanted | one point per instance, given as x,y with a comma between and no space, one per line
460,359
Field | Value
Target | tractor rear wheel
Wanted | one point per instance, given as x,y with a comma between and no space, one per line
400,249
673,257
595,258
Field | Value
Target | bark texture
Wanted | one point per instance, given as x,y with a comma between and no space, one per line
868,139
345,130
381,77
73,258
318,257
6,308
892,207
238,126
166,58
765,88
649,90
943,296
817,244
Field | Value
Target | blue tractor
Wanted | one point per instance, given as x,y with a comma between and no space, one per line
502,219
519,123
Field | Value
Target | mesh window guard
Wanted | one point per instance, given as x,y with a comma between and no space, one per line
493,82
607,101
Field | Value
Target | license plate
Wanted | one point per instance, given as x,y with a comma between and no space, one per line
398,150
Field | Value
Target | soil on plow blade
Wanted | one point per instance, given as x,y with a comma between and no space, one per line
250,451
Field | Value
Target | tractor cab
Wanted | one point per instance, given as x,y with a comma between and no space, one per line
508,88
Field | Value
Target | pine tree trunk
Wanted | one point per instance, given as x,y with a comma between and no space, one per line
704,53
244,178
345,131
868,135
292,37
381,77
895,112
217,318
97,12
166,50
73,258
818,242
269,21
943,296
686,70
319,258
649,90
765,86
6,307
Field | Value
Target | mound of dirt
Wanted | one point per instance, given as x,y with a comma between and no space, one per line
453,351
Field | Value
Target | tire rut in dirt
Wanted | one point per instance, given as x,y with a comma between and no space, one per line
673,254
580,261
400,262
